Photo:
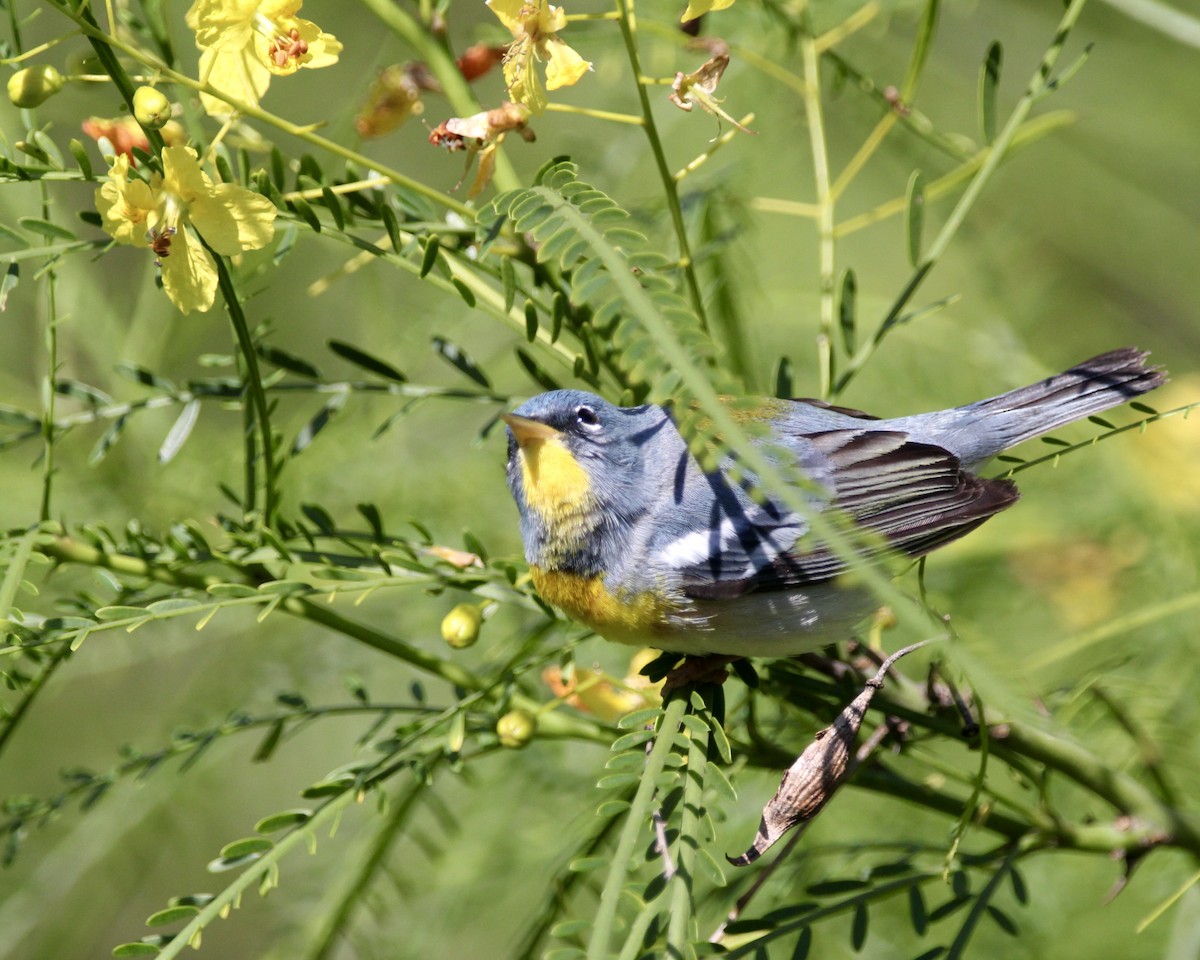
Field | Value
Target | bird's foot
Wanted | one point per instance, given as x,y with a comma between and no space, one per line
697,670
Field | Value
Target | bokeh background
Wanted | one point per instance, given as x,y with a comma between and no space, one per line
1085,241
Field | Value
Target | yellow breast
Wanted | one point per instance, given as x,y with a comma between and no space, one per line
636,618
559,490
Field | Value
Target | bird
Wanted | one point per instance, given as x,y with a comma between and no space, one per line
628,534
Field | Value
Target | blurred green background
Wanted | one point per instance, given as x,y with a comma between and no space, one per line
1086,241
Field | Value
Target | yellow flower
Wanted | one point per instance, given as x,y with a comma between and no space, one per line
156,216
534,26
244,42
698,8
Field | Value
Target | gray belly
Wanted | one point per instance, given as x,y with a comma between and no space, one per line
768,623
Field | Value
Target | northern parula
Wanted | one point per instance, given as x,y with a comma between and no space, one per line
626,533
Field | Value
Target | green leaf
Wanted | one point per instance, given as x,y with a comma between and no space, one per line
268,745
536,372
785,387
914,216
12,276
720,783
246,847
335,207
629,740
283,820
587,864
858,929
180,430
1003,921
365,360
531,321
989,80
300,207
319,422
847,309
464,291
916,910
232,590
454,355
617,781
120,613
47,229
138,374
287,361
612,808
81,158
285,587
429,257
920,53
16,237
171,915
136,950
392,227
508,280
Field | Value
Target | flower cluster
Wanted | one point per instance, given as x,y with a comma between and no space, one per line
157,216
244,43
535,26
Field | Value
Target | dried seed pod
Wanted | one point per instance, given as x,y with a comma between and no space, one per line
818,772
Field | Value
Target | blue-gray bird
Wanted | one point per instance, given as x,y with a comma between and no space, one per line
626,533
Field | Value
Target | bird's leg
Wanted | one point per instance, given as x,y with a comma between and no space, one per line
694,670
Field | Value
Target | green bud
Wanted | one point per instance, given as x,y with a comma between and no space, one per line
516,728
460,627
151,107
33,86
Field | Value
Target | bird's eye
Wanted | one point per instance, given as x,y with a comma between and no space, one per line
586,417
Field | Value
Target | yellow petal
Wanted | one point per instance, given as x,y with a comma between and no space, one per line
564,66
521,78
698,8
189,274
182,175
215,20
128,208
233,219
322,49
236,72
509,12
485,170
551,19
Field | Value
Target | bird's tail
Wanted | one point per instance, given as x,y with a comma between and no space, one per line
1092,386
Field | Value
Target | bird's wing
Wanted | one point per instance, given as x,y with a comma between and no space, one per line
915,496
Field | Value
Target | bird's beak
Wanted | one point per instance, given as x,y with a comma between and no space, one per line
525,429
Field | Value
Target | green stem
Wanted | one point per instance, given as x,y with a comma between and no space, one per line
381,844
1121,790
979,907
1037,86
679,926
258,396
50,393
232,894
628,22
825,209
102,44
550,724
635,823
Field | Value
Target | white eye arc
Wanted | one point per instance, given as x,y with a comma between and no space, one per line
586,417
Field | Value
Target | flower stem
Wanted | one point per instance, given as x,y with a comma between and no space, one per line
258,396
628,22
